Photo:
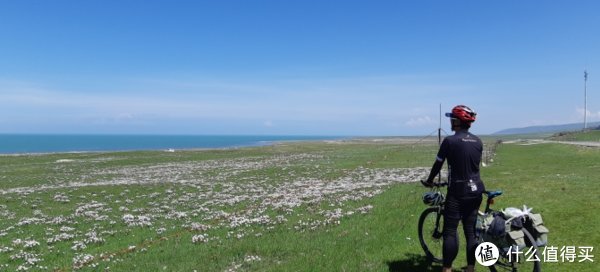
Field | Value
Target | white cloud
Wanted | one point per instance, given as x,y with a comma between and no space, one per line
590,114
344,104
420,121
268,123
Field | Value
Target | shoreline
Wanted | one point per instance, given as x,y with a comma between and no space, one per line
259,143
173,150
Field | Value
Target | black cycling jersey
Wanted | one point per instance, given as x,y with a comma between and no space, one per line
463,152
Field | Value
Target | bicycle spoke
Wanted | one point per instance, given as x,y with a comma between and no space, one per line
430,234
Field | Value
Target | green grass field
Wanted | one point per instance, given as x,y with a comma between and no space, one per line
336,206
587,136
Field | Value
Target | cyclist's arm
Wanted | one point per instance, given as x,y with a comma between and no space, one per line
439,160
435,170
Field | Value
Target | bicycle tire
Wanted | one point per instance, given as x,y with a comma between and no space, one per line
523,264
430,233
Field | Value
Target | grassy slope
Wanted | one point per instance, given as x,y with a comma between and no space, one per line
20,171
558,181
354,245
587,136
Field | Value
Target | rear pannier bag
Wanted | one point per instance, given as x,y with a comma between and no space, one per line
516,238
535,226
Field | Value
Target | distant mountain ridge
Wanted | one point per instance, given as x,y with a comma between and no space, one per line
546,129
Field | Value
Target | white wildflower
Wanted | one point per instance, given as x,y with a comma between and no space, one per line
17,242
137,221
365,209
199,227
60,237
81,260
6,249
30,244
252,258
92,238
78,245
200,238
61,198
66,229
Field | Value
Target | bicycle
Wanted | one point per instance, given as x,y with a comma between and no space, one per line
430,236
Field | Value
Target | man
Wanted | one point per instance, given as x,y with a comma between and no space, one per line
463,152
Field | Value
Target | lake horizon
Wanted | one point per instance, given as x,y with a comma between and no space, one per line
30,143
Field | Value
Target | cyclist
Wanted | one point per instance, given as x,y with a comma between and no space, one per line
463,152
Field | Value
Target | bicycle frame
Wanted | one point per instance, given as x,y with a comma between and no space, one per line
490,200
432,232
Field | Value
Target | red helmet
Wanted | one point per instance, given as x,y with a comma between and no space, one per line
462,113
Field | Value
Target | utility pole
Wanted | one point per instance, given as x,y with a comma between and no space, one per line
440,127
440,140
585,76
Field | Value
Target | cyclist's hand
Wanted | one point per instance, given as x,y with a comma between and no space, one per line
427,183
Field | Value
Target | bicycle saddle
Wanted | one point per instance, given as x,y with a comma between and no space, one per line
493,194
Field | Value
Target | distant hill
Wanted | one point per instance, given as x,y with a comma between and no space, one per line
546,129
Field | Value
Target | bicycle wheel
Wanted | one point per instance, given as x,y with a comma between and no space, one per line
528,258
430,233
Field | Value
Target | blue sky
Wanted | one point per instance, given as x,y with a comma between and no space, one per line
293,67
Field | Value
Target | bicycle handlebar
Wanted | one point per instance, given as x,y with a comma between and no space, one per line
490,194
442,184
